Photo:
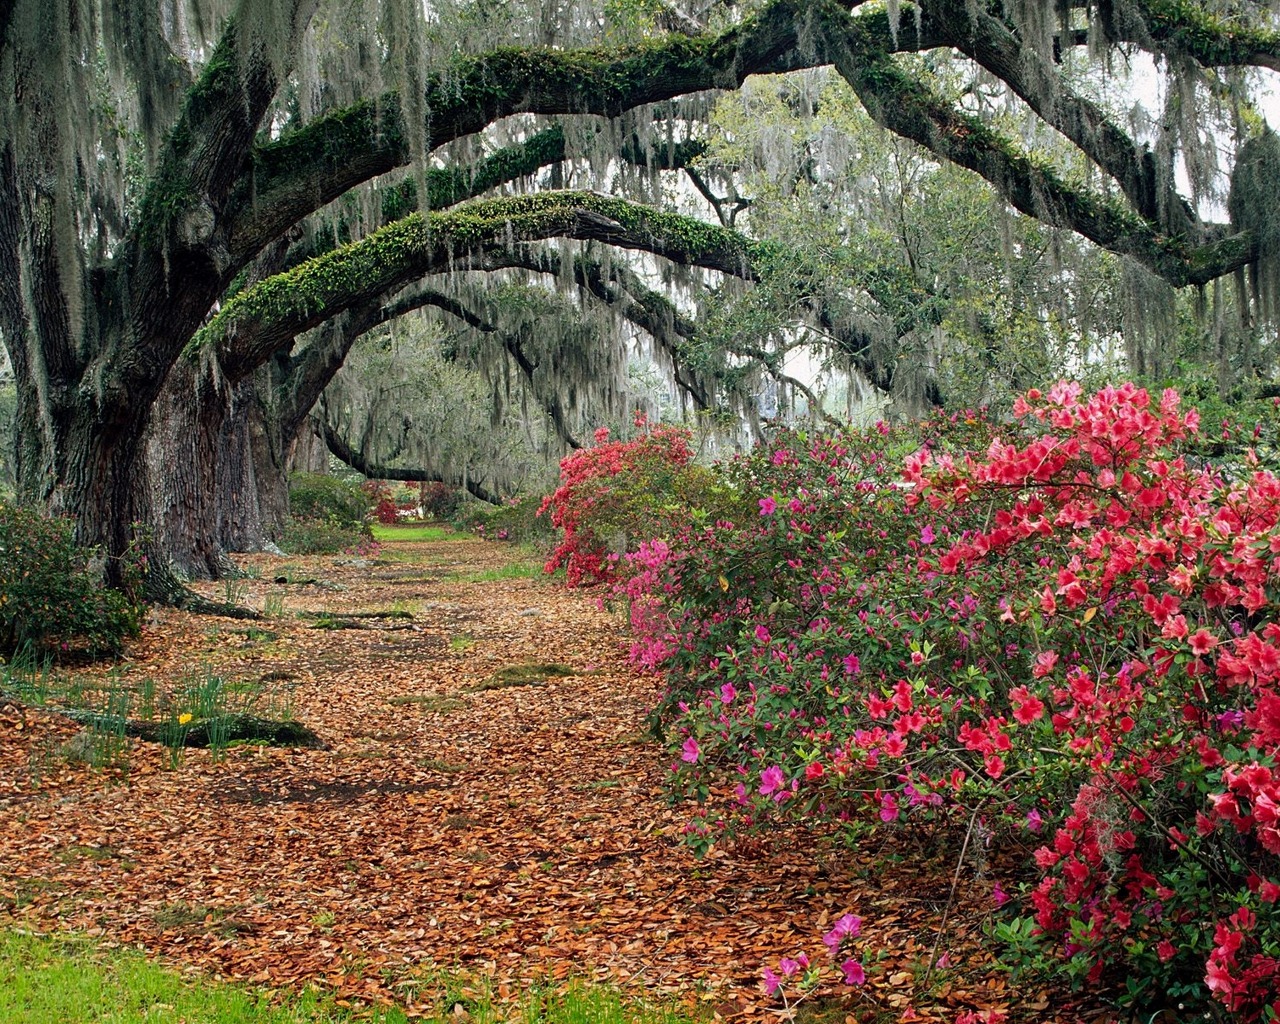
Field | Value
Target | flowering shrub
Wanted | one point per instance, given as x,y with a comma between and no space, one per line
382,498
439,500
613,491
1060,632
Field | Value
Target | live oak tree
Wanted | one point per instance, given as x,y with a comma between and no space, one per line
172,177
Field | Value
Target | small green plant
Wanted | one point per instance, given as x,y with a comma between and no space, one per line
234,590
273,606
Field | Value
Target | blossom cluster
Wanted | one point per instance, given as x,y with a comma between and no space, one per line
1063,628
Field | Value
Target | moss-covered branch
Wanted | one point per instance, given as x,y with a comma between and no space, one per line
1033,77
1185,28
446,187
297,174
359,460
273,312
907,107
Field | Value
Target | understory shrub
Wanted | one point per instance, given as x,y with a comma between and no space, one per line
326,515
439,500
616,494
51,601
1058,634
517,520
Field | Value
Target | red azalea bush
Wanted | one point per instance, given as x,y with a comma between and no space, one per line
382,498
613,491
1059,631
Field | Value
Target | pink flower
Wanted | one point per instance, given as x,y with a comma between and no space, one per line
762,634
853,972
771,982
789,966
999,895
690,751
727,693
851,664
847,927
768,506
771,780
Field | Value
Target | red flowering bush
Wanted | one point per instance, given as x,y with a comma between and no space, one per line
382,498
1059,632
613,491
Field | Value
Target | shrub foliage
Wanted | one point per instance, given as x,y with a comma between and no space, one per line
1060,633
51,601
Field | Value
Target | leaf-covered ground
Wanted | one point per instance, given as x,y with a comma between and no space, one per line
513,825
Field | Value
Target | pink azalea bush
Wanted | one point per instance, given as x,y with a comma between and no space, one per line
1060,631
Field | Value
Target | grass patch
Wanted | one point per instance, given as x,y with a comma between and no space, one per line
510,571
424,532
534,673
436,764
386,613
438,702
461,642
73,980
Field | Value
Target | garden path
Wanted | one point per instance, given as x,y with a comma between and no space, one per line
516,832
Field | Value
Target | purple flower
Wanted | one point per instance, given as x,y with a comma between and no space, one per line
727,693
690,751
768,506
788,966
762,634
851,664
999,895
926,535
771,982
1034,821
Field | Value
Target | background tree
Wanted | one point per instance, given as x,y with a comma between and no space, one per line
161,166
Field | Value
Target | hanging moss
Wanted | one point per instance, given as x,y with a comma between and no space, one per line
1254,207
421,243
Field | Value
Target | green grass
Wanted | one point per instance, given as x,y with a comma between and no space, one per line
425,531
529,674
511,571
73,980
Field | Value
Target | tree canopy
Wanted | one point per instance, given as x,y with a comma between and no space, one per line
208,202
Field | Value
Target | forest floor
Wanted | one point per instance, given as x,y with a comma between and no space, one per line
512,826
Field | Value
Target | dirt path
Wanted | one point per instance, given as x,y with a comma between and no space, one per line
521,832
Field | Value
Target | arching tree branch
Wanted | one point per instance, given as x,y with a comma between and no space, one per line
270,314
359,461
